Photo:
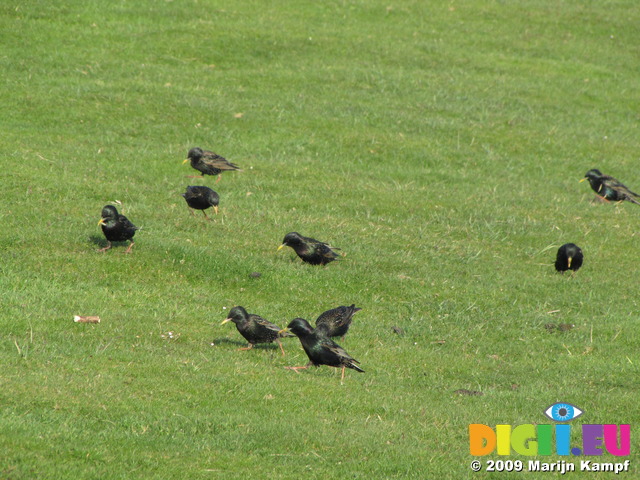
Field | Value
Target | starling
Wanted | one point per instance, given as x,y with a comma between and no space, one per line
209,163
201,198
569,257
310,250
320,349
337,320
609,188
255,328
116,227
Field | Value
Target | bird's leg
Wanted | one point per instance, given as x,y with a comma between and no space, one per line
205,215
128,250
295,369
191,212
219,177
280,345
106,248
342,378
249,347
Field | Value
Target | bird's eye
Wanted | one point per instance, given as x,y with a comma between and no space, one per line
563,412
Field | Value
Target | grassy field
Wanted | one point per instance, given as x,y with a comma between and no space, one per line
439,144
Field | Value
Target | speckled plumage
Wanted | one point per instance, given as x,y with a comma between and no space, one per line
254,328
310,250
209,163
338,320
201,198
116,227
569,257
609,188
320,349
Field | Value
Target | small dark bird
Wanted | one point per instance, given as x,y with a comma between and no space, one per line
201,198
255,328
609,188
209,163
337,320
569,257
116,227
563,327
397,330
310,250
320,349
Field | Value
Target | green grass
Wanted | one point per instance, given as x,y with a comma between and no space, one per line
439,144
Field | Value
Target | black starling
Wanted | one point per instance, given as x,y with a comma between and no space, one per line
609,188
337,320
320,349
209,163
255,328
310,250
569,257
116,227
201,198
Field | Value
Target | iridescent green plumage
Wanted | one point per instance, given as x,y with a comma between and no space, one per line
320,349
338,320
254,328
309,249
610,188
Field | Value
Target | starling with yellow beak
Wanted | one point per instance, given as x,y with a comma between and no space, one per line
569,257
116,227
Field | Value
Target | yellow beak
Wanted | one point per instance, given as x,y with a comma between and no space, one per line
225,321
101,222
185,161
215,209
582,180
281,247
284,330
569,262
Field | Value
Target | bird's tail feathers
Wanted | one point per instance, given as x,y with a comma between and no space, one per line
633,198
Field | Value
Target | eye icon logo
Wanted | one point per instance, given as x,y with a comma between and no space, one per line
563,412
